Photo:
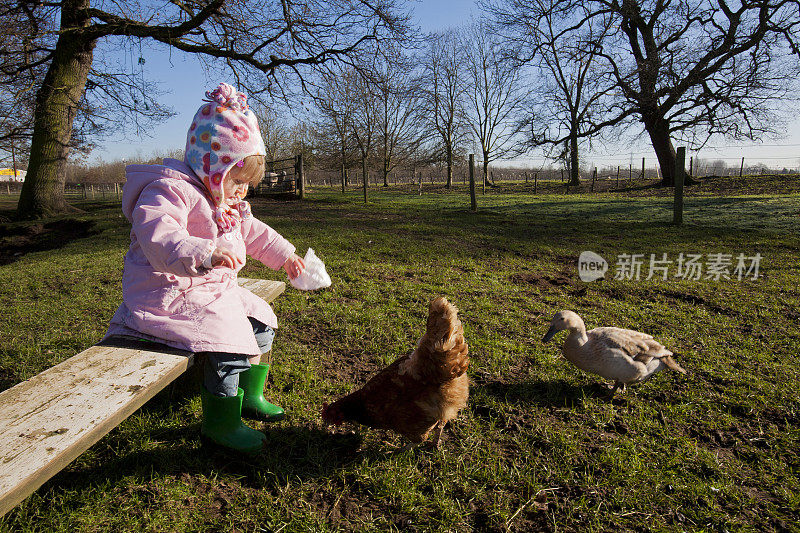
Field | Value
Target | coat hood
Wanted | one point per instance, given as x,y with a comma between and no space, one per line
137,177
223,133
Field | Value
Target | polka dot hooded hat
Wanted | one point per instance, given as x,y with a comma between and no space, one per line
223,132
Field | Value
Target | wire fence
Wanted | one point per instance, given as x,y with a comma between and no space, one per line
281,175
75,191
699,163
333,178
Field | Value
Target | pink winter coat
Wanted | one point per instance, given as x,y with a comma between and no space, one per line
167,295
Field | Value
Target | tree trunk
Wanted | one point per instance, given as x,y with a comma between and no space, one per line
449,166
574,167
658,129
386,155
485,169
344,165
56,106
364,175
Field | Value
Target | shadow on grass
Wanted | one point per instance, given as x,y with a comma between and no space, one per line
290,453
7,379
18,240
554,393
493,229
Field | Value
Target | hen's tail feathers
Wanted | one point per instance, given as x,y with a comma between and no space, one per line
443,350
670,362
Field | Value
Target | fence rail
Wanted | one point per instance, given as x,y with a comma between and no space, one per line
72,191
332,178
282,178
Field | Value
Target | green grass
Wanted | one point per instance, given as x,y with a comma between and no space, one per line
538,447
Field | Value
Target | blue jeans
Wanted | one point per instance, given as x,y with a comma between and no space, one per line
221,370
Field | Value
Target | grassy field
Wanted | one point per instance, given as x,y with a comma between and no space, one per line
538,447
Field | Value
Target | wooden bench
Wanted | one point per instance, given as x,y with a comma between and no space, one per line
50,419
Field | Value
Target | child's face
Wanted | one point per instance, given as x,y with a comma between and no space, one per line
235,187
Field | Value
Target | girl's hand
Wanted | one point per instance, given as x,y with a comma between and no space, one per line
294,266
222,257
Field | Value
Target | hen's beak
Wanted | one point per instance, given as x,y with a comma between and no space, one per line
549,335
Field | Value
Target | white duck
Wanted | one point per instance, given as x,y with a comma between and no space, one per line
624,355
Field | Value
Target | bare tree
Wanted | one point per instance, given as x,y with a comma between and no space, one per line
398,93
301,141
691,68
335,108
569,90
444,93
275,133
24,40
268,46
495,96
364,119
333,151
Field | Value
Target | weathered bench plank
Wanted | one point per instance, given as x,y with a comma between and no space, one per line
266,289
50,419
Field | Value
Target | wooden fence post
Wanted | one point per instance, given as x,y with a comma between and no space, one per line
691,166
473,203
300,177
677,210
365,182
14,161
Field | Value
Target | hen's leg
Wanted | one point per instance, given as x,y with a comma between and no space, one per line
405,447
439,429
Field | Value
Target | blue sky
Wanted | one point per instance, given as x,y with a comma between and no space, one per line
184,82
182,78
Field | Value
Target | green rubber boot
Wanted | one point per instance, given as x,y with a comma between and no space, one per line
222,423
254,405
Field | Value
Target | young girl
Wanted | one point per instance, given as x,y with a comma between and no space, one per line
191,232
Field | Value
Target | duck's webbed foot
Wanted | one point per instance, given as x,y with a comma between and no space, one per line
617,385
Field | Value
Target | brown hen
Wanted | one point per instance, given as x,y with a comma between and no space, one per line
418,392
